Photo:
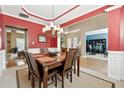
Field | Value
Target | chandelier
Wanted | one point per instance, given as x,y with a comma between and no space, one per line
52,27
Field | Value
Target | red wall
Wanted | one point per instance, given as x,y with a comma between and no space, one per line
122,29
116,30
0,20
34,30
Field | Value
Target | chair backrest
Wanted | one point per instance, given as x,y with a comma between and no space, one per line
76,54
33,65
27,60
70,49
14,50
21,53
63,49
44,50
69,60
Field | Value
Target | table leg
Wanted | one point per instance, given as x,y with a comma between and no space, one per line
78,66
45,77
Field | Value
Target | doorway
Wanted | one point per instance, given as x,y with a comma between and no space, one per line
16,40
69,43
72,42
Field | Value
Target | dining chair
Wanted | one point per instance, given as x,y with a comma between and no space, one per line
44,51
64,50
75,57
37,72
26,58
66,69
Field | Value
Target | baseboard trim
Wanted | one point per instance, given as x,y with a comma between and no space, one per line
95,57
86,71
113,77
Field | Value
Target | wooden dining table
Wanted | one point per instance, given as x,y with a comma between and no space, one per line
50,62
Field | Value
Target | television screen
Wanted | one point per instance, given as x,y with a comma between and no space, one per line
97,42
94,46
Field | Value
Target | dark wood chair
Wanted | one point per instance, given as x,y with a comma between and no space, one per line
66,69
44,51
37,72
64,50
75,57
26,58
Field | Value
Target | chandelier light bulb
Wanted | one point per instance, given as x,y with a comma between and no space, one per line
43,30
58,27
61,30
59,33
51,24
49,28
46,27
55,28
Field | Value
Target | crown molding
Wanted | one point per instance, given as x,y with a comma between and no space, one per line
113,8
48,19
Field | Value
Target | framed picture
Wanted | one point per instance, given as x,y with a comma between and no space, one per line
42,38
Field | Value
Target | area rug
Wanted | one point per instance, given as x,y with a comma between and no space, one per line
84,81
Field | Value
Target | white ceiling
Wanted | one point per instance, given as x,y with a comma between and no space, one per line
47,12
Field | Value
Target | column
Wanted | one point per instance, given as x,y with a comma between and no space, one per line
0,42
116,44
59,42
0,64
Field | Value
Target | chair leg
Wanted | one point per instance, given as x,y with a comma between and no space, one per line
62,80
74,67
71,76
55,81
29,74
39,84
67,76
52,78
32,82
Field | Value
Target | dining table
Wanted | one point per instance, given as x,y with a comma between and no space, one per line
49,61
